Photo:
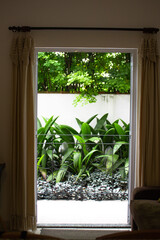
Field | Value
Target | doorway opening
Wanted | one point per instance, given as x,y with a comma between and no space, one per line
85,136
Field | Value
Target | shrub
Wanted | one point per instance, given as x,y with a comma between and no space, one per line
62,151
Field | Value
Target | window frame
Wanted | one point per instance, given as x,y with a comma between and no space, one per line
133,101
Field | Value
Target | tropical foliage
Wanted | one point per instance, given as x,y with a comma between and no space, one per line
84,72
63,151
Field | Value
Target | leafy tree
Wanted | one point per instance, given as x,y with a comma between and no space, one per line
86,73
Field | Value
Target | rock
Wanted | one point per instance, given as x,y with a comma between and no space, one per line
98,186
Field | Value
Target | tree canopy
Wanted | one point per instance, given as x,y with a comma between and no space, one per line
87,73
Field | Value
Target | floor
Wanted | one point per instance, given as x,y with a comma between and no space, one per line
82,213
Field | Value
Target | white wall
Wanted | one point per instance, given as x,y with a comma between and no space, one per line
79,13
117,105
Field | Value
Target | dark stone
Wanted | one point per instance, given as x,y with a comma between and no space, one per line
98,186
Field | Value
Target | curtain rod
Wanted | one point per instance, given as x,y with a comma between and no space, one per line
28,29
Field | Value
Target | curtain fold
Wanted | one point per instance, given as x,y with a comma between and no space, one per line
148,142
23,214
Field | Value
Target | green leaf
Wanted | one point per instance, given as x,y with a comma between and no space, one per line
65,134
88,156
77,160
51,155
39,162
61,173
82,170
111,159
52,176
70,129
82,142
80,139
91,119
94,139
117,146
114,166
42,133
120,131
124,123
109,136
100,122
86,130
44,160
79,122
67,154
126,166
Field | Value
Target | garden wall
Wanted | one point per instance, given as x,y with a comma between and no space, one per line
117,105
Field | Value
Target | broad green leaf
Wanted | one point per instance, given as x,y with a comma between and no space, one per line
126,166
109,126
67,154
120,131
40,135
77,160
65,134
79,122
101,122
116,121
80,139
42,132
115,165
39,162
117,146
82,142
124,123
44,160
91,119
94,139
111,159
109,136
70,129
61,173
51,155
88,156
86,130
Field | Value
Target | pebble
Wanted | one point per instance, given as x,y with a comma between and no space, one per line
98,186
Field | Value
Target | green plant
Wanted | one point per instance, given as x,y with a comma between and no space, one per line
86,73
66,151
45,139
79,156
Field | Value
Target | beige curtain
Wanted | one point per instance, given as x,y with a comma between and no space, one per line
22,200
148,164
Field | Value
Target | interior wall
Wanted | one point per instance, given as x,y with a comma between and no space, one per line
84,13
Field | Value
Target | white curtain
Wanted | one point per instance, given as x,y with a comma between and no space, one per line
23,214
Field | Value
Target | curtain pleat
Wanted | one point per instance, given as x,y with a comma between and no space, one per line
148,161
23,214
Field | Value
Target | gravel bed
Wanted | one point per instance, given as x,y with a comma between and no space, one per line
98,186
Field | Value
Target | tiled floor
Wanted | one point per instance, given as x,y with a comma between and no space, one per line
62,212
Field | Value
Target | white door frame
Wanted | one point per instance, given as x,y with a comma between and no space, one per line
133,99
